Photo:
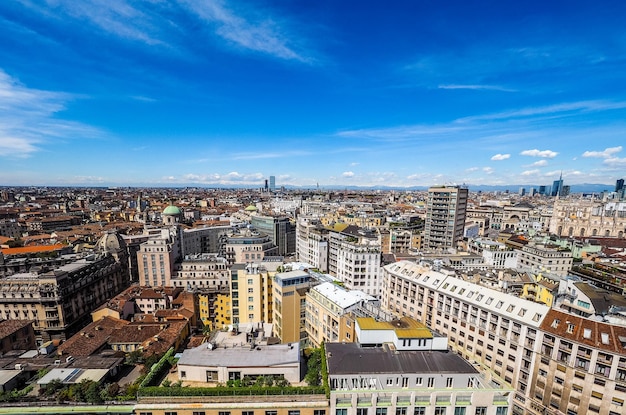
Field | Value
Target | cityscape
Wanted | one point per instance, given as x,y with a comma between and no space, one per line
211,301
218,207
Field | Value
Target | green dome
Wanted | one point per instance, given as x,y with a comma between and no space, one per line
172,210
251,208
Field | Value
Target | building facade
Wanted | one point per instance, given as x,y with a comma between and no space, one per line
445,216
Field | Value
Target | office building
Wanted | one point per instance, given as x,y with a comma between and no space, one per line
272,184
445,217
281,231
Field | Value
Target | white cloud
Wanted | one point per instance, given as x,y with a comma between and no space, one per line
539,153
265,36
354,164
531,172
606,153
540,163
475,87
499,157
347,174
30,117
488,170
471,169
615,162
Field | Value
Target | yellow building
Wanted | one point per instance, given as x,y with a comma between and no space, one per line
222,311
328,317
290,290
251,291
214,308
542,290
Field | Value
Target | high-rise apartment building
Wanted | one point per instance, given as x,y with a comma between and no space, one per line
445,216
290,290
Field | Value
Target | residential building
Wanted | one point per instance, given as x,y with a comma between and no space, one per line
391,379
581,368
499,331
328,318
545,258
201,271
251,292
312,243
249,247
289,310
157,257
60,300
16,335
445,216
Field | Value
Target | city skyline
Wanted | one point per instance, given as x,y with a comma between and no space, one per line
358,94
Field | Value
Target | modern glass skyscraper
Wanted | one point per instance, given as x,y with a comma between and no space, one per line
272,184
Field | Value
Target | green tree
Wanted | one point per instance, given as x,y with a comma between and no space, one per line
313,376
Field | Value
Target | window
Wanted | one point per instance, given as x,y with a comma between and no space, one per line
361,411
198,413
271,412
419,381
381,411
223,413
448,382
502,410
319,412
481,410
431,382
338,411
294,412
459,410
171,413
401,410
145,413
183,374
247,412
440,410
419,410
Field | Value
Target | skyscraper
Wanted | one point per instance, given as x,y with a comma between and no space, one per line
619,185
557,186
272,184
445,216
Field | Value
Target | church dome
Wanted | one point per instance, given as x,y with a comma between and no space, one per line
172,210
251,208
111,242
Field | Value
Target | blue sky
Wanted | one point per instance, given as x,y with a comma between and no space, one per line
407,93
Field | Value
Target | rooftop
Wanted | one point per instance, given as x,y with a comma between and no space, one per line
351,358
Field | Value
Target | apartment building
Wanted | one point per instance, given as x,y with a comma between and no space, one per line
496,330
60,299
251,292
358,265
249,247
581,368
157,257
548,258
289,309
445,216
328,317
210,239
407,375
312,243
201,271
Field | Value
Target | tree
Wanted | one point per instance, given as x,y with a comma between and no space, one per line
314,368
